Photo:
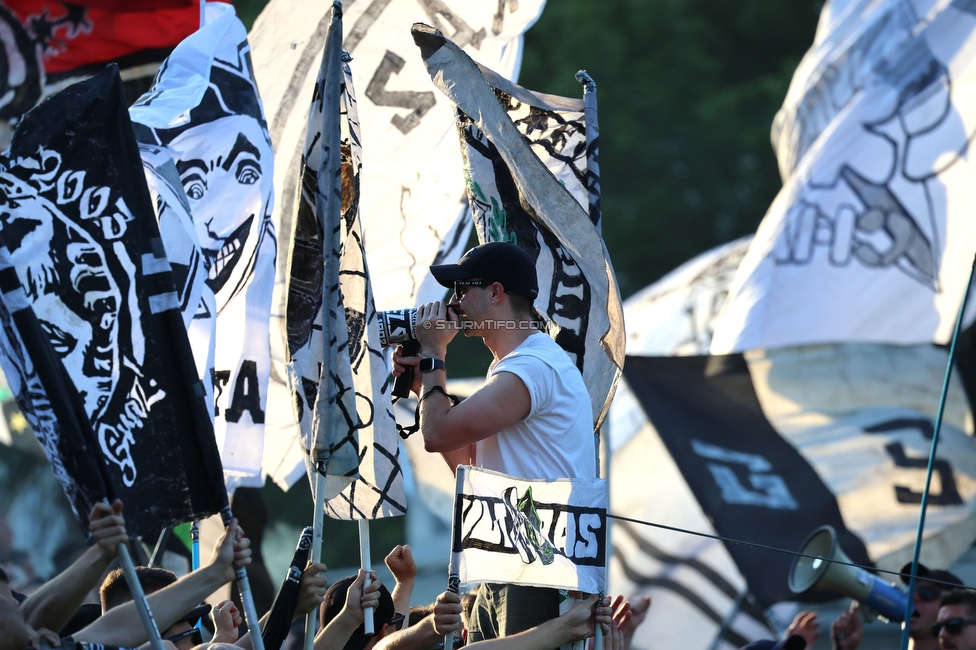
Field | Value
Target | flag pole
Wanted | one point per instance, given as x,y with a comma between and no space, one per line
928,474
318,519
454,564
247,598
364,559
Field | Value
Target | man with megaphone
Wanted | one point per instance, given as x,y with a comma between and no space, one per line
930,586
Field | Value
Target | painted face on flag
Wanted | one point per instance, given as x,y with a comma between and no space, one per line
225,169
65,274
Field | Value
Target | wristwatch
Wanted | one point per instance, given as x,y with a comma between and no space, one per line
428,364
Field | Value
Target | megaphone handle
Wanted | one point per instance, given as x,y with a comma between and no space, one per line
401,386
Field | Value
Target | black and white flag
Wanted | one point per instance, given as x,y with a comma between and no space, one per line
205,109
543,533
77,219
871,238
511,138
412,206
336,367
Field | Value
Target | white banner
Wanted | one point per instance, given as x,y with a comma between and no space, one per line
542,533
872,236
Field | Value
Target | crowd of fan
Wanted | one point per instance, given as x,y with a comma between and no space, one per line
55,615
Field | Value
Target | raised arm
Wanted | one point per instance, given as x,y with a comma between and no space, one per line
121,625
53,605
575,625
404,569
431,629
337,632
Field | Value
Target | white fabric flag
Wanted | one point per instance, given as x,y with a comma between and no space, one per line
872,236
412,197
204,106
542,533
337,374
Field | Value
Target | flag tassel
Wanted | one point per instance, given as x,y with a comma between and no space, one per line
318,519
368,626
247,598
935,443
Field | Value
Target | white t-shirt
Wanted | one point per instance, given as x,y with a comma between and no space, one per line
555,440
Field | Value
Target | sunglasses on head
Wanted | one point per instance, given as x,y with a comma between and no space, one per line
461,285
194,633
952,626
397,621
928,594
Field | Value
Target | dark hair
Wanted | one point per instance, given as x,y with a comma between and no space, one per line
965,597
521,305
114,590
335,600
419,613
3,576
467,606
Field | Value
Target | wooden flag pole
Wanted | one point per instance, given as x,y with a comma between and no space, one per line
318,519
909,606
368,625
247,598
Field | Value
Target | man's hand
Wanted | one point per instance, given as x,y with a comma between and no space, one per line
358,600
846,632
401,565
806,625
629,615
447,613
226,620
436,327
581,617
232,550
400,365
107,527
311,589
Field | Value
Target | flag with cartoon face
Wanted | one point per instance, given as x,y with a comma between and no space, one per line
511,141
336,368
205,109
872,237
76,217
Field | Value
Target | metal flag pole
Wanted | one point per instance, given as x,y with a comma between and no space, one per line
318,519
454,564
244,587
364,560
928,474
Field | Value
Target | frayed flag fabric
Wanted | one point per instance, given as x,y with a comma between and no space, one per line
412,203
205,108
337,371
506,135
79,226
541,533
871,238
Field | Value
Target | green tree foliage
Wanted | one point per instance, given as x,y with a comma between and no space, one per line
687,92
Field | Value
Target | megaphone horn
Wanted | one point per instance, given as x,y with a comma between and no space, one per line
823,565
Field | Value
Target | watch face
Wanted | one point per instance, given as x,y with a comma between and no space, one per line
426,364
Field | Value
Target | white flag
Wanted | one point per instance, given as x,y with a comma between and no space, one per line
872,236
544,533
204,106
412,198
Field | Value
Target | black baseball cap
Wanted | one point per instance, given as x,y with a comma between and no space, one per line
496,261
940,576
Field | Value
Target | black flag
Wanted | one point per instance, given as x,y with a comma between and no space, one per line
753,484
77,218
